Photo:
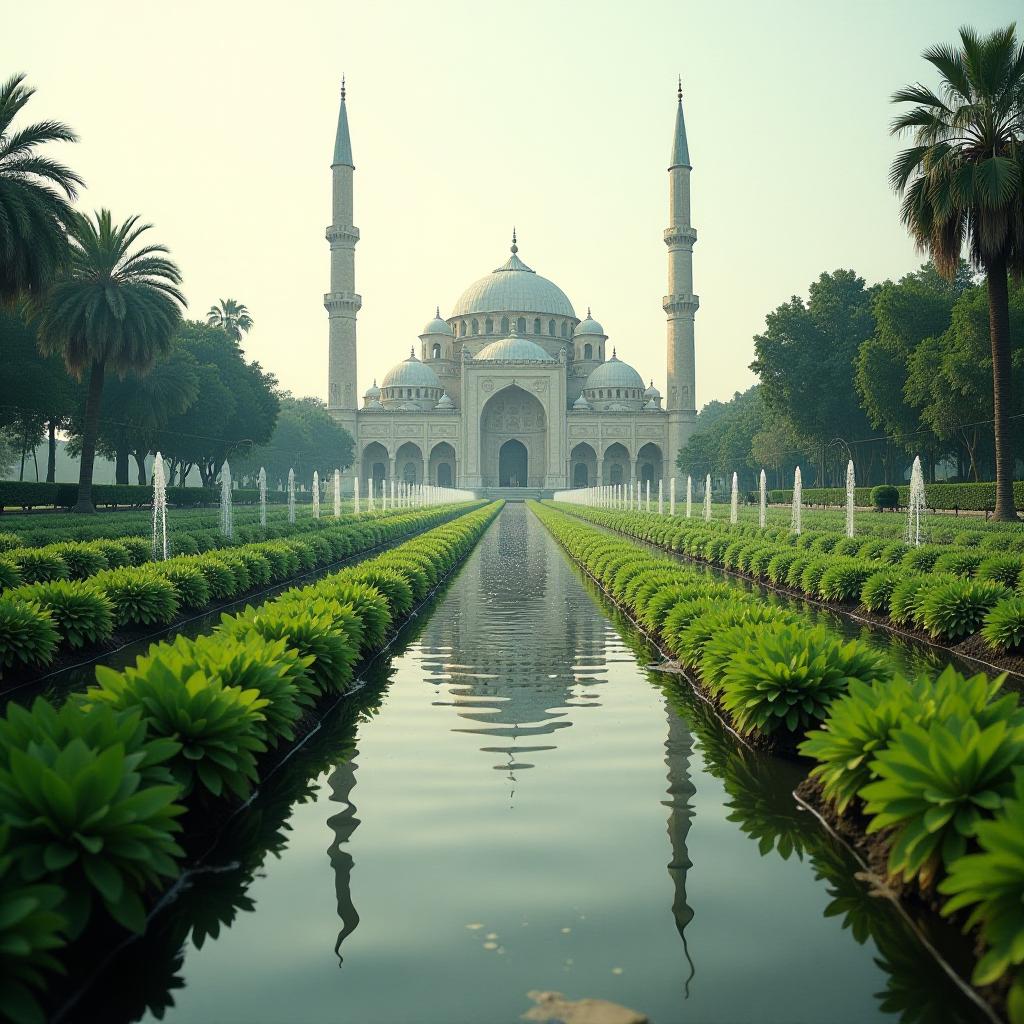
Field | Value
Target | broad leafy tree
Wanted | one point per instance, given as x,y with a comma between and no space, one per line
34,194
232,317
116,308
962,181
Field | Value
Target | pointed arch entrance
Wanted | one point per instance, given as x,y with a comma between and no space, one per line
513,464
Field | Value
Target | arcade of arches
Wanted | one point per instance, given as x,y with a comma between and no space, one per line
616,466
408,464
513,440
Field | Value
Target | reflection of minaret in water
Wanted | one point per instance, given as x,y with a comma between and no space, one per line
343,825
681,790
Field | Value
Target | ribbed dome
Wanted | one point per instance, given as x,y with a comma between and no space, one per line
652,391
581,402
513,288
513,349
411,373
614,374
444,402
589,326
372,391
437,326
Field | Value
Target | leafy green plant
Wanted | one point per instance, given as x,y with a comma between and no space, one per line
39,565
10,574
1005,569
796,570
922,559
1003,628
220,580
28,636
82,613
991,882
31,927
115,552
958,608
788,675
884,496
83,816
844,579
393,585
218,726
369,604
140,549
893,552
717,618
877,590
812,573
82,560
189,583
779,565
960,563
904,597
141,596
935,784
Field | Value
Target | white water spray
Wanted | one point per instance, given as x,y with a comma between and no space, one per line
763,488
915,503
794,519
159,510
689,496
227,519
316,494
707,498
261,487
291,495
851,493
337,493
734,501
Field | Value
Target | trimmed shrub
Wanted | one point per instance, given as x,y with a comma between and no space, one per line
82,613
884,496
1005,569
796,570
82,560
188,581
812,573
958,608
779,565
114,551
141,596
393,585
844,580
922,559
893,552
220,580
140,549
10,574
877,590
39,565
369,604
903,600
960,563
28,637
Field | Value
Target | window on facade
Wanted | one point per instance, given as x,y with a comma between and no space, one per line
551,328
536,326
565,329
489,325
521,325
476,327
588,351
618,392
436,351
504,325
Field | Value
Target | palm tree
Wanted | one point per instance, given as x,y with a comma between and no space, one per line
34,193
231,317
963,180
114,309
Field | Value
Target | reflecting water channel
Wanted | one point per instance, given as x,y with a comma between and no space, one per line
514,806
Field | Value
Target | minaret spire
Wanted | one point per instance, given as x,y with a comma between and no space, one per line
680,304
341,301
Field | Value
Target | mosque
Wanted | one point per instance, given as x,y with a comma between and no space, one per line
511,389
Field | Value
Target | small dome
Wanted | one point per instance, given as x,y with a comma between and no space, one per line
614,374
437,326
581,402
589,326
411,373
513,349
652,391
651,406
375,405
372,391
444,402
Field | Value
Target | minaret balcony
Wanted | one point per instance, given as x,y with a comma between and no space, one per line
342,236
342,303
680,305
680,236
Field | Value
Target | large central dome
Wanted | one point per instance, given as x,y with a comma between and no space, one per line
513,288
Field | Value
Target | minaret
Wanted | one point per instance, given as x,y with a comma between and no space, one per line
341,301
680,304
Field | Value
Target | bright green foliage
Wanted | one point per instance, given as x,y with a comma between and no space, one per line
393,585
139,549
893,552
717,618
1005,569
141,596
369,604
935,783
240,581
83,814
37,565
991,882
82,560
10,574
779,565
1004,624
30,929
114,551
960,563
884,496
844,579
795,572
220,580
257,565
28,636
10,541
188,581
788,675
81,611
904,598
877,590
812,572
922,559
958,609
218,726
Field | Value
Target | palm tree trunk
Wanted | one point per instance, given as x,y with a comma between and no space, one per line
1002,385
121,465
90,429
140,462
51,454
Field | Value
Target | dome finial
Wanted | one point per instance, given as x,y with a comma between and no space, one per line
412,351
515,248
613,352
589,317
679,90
343,87
437,312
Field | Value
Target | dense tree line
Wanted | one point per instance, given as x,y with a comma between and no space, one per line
874,373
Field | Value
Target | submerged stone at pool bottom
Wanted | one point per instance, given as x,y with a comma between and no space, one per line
519,808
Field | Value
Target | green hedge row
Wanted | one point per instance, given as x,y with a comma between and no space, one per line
30,494
71,596
980,497
92,796
951,824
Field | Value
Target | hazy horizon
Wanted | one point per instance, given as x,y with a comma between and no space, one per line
466,121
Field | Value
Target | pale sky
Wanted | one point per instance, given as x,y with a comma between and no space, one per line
215,122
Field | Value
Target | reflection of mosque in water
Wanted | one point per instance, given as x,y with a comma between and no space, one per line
519,642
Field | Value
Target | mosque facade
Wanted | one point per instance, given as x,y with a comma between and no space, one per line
511,388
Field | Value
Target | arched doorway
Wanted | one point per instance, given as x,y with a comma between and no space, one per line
444,475
441,470
409,463
649,464
513,414
616,464
513,464
579,475
583,463
375,462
